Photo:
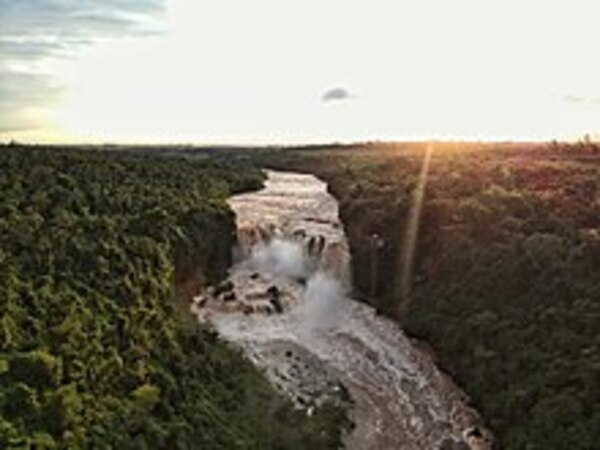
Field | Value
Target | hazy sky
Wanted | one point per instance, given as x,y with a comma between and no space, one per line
265,71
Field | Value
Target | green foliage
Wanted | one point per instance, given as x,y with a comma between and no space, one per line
99,253
506,284
36,368
146,396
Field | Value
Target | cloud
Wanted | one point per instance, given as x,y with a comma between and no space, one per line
64,18
23,98
19,49
581,100
336,94
36,32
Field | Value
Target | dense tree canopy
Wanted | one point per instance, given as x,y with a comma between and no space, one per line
506,285
96,348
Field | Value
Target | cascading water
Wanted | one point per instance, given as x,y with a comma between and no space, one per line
293,258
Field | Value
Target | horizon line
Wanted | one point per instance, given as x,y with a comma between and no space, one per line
588,138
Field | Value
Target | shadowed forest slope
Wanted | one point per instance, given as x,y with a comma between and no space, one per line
506,282
98,252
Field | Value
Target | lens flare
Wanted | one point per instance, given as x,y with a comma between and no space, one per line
411,234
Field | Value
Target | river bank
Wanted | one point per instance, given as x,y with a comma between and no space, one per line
325,345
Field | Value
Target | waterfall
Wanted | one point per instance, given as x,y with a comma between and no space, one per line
286,304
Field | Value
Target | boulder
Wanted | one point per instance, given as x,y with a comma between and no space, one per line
229,297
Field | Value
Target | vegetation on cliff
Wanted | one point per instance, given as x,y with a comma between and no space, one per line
506,286
96,351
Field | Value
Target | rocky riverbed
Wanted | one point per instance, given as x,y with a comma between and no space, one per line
286,304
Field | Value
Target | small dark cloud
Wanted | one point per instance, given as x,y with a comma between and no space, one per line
336,94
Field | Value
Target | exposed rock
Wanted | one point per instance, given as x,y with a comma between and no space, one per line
397,396
229,297
225,286
275,298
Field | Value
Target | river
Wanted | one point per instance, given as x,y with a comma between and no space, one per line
293,254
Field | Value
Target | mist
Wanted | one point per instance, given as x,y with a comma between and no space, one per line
280,257
324,304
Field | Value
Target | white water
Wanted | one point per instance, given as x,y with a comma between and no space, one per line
324,342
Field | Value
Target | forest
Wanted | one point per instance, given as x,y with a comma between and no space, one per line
505,290
100,251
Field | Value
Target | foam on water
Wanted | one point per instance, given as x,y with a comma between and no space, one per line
291,237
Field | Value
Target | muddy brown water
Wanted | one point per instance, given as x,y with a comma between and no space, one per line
325,344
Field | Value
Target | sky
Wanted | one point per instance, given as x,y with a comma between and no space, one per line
282,71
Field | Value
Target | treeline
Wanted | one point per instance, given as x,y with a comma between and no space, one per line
506,286
97,250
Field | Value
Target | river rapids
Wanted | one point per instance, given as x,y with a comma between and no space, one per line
286,304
